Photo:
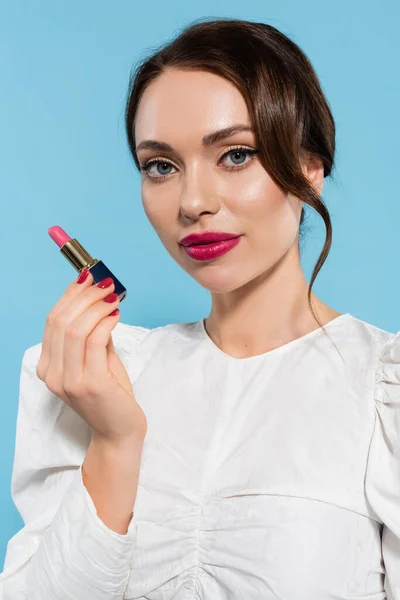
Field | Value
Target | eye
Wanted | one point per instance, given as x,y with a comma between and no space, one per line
166,164
239,151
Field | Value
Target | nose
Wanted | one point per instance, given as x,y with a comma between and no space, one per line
199,193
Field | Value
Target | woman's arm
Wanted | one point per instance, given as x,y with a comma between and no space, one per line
70,545
110,475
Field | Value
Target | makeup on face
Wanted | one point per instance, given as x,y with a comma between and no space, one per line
81,259
213,250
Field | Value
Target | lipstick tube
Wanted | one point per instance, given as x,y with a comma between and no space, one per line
80,259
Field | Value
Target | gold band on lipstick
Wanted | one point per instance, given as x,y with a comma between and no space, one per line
77,255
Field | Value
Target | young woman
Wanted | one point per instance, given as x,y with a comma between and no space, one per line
258,454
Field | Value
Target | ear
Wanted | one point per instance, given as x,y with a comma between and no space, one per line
313,169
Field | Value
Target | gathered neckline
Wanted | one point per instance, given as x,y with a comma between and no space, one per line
288,345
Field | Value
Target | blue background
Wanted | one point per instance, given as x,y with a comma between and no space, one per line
64,161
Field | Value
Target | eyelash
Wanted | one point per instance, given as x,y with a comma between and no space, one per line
146,166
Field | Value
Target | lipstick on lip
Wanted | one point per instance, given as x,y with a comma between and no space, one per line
210,251
207,237
81,259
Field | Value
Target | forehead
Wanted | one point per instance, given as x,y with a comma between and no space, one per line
180,102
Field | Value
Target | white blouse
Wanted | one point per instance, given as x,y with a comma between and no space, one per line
273,477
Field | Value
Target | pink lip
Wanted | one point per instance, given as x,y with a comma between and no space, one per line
207,237
211,251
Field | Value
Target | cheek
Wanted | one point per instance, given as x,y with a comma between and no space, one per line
263,205
270,219
153,207
160,213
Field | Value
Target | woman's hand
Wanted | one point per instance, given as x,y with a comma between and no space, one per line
78,363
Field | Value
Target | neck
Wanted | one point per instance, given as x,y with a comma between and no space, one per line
267,312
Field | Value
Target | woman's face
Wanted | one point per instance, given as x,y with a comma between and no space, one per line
195,188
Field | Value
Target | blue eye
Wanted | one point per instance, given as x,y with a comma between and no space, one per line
158,163
237,151
167,164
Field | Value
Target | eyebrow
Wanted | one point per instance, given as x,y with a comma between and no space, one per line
208,140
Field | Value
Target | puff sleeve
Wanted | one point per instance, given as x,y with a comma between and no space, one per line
383,469
64,550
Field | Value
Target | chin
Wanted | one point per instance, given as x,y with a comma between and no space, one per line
223,283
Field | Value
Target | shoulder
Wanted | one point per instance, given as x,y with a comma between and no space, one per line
363,340
127,338
133,338
360,345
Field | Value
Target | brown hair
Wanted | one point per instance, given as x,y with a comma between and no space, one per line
288,110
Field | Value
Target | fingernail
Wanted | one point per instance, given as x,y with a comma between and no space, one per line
111,297
104,283
82,276
114,312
